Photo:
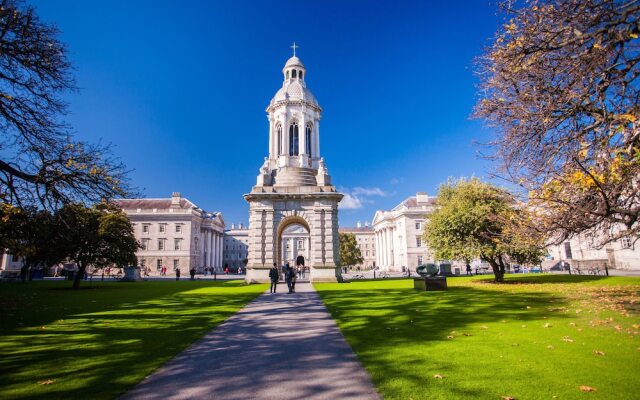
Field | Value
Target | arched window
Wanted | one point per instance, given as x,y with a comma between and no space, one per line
287,74
307,139
293,139
279,133
293,73
300,74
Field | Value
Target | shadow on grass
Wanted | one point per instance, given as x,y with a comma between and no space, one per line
392,329
98,343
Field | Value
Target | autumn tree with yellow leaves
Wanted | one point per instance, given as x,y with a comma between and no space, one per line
41,165
560,84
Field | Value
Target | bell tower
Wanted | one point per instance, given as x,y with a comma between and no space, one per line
293,186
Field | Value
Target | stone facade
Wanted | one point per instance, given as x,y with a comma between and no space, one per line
293,187
581,252
366,238
398,234
236,247
175,233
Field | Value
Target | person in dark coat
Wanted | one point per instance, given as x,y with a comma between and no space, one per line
274,276
192,272
177,274
288,272
469,269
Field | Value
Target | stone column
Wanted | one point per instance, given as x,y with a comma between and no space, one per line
390,247
214,251
220,245
377,247
302,138
207,244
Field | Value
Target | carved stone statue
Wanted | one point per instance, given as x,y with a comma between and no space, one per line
322,169
264,170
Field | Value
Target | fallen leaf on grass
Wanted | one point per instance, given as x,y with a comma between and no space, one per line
547,325
588,389
636,326
438,376
47,382
507,398
618,328
567,339
466,334
550,347
449,337
598,352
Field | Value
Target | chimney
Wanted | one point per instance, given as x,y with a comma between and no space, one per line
422,197
240,226
366,224
358,224
175,199
233,226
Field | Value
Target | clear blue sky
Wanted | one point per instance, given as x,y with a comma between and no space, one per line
180,89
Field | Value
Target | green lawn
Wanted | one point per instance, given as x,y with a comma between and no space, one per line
95,343
536,337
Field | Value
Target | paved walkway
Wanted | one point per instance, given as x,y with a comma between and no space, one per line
281,346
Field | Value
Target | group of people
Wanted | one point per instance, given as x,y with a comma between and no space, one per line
291,274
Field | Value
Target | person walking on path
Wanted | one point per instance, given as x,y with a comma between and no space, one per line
469,269
288,272
192,272
273,275
177,274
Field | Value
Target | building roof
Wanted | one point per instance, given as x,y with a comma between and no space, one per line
152,203
294,61
362,229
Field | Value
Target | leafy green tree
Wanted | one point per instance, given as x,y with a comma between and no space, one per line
474,219
99,236
349,251
31,235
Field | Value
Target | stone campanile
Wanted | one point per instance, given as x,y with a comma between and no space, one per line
293,188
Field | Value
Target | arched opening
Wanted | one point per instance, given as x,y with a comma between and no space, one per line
287,74
307,139
293,242
293,139
293,73
300,74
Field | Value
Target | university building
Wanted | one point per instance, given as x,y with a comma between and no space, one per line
365,237
175,233
398,234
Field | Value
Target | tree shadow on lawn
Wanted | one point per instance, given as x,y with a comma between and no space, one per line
392,330
99,350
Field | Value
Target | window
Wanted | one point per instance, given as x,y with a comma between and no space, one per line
418,225
367,253
301,74
626,242
143,263
419,260
567,250
307,140
159,263
161,228
160,244
418,241
279,130
178,228
293,73
293,139
145,228
145,244
177,244
287,74
176,264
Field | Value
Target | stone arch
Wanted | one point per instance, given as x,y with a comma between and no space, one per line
286,221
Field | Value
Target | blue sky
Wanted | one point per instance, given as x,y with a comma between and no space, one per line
180,89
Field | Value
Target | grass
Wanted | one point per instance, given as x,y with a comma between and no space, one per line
96,343
535,337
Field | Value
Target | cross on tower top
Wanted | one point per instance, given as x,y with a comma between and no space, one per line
294,47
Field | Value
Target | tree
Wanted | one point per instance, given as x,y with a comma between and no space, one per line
98,236
474,219
31,235
560,84
40,163
349,251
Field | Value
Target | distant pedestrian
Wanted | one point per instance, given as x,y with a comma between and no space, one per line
288,274
273,275
177,274
469,269
192,272
294,278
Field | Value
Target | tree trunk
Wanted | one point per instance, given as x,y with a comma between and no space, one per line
79,276
498,272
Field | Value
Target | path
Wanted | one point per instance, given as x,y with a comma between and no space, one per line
280,346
